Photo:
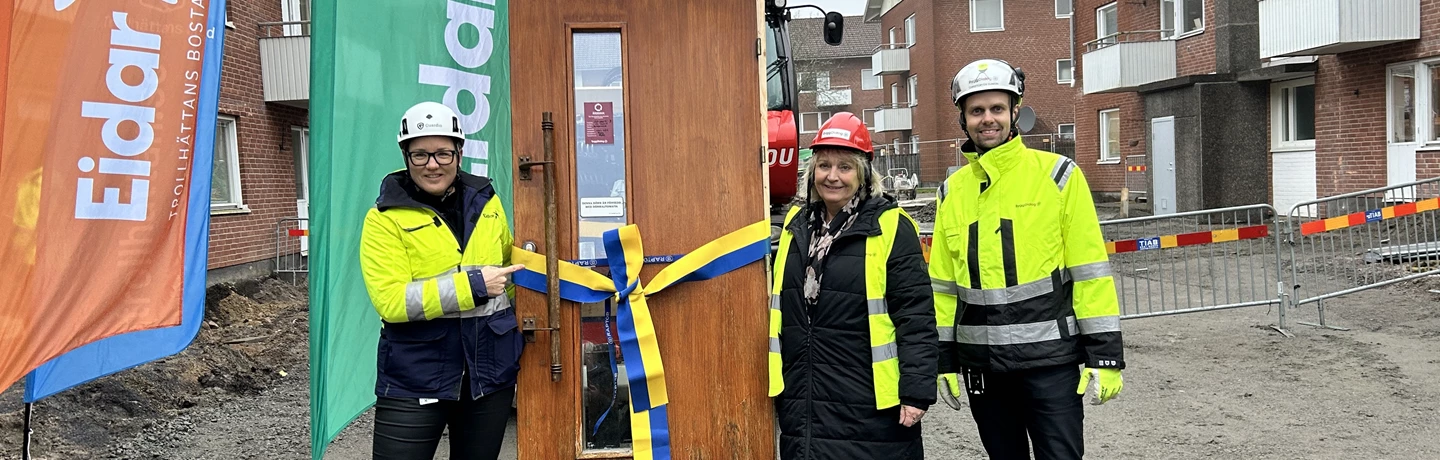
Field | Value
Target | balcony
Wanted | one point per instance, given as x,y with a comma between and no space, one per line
891,59
835,96
285,62
893,117
1121,62
1313,27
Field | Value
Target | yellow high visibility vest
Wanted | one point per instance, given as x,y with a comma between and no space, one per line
884,353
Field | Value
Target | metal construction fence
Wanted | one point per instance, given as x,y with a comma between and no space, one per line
1249,256
292,248
1195,261
1363,240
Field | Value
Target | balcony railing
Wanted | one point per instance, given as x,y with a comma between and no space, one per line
835,96
1124,61
890,59
894,117
1314,27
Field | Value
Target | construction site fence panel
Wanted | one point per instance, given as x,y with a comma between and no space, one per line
292,248
1357,241
1204,260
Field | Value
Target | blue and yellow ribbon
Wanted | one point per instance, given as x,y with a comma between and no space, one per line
649,416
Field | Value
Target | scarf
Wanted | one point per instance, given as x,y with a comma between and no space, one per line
823,234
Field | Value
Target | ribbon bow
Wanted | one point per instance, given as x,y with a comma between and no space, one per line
649,420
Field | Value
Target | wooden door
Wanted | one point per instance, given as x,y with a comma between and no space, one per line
658,123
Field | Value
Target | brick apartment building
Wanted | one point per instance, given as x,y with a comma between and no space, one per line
1232,102
925,42
261,137
1177,82
834,79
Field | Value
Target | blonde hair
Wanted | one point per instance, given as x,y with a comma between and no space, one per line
870,176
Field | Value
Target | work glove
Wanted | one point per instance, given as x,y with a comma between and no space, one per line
1108,382
950,389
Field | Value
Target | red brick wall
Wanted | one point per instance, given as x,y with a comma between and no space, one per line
843,72
1033,40
1350,109
1194,55
1427,164
1109,177
267,165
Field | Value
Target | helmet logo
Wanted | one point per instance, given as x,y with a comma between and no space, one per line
420,125
835,133
983,67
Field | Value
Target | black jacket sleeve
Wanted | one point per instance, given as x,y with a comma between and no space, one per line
908,295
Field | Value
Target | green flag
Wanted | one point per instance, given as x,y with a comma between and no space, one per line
371,60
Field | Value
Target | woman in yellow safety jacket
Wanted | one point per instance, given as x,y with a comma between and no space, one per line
431,253
853,345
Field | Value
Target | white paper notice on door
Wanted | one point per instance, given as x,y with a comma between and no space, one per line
602,207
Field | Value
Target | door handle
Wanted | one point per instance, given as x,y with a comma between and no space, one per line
552,246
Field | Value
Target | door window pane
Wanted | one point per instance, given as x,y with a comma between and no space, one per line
910,31
1402,104
1304,100
600,186
1107,23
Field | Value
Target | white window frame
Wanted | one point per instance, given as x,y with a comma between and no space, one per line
1427,135
236,203
292,11
892,38
1060,130
912,90
910,31
974,28
1065,81
914,144
1100,33
1069,5
1106,156
1278,126
1177,12
820,118
869,81
1390,88
868,116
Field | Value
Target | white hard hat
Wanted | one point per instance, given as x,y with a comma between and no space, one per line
987,75
429,119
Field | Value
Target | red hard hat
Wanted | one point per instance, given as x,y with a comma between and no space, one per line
847,131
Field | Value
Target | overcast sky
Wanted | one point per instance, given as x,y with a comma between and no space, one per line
846,7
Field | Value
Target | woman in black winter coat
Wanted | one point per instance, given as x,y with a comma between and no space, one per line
830,405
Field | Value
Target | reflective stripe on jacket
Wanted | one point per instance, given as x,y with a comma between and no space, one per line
884,351
1019,268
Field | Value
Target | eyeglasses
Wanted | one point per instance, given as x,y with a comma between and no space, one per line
442,157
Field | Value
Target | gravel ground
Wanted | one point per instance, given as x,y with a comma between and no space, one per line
1219,384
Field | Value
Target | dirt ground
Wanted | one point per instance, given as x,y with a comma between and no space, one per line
1203,385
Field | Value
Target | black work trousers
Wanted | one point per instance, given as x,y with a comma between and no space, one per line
406,430
1014,410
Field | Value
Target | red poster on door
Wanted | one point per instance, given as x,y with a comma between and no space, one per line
598,128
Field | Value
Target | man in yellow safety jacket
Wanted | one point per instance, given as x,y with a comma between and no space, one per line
1025,303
